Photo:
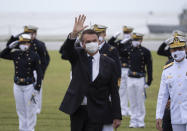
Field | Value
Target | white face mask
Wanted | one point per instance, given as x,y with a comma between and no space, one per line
24,47
136,43
101,38
92,47
126,36
178,55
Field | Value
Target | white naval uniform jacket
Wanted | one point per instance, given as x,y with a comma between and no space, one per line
174,84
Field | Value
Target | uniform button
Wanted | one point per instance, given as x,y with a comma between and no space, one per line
179,94
18,57
27,82
16,72
16,62
16,67
29,63
29,58
27,54
35,48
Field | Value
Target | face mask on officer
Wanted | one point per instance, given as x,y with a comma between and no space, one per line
92,47
24,47
101,38
136,43
178,55
126,36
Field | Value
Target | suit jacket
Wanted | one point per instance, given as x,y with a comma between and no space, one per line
100,108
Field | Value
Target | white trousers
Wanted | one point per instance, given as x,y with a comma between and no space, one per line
123,92
135,87
179,127
40,95
26,110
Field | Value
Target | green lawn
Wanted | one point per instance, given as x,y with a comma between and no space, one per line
55,84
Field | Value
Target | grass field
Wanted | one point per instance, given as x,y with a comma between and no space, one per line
54,87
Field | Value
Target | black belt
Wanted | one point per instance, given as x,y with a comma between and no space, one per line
24,81
135,74
124,65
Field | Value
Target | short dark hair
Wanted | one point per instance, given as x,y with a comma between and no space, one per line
88,31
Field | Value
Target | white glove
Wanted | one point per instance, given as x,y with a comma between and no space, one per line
146,86
13,44
168,41
116,35
125,40
35,97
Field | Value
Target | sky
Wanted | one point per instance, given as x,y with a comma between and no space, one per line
92,5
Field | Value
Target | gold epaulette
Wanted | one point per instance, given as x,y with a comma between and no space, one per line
111,48
168,65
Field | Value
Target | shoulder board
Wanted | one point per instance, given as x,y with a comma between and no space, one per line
168,65
111,48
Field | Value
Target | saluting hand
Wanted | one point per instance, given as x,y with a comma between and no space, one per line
13,44
78,25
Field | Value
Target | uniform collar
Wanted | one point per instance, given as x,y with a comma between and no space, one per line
180,63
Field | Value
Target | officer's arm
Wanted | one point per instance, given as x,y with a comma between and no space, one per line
116,108
39,72
115,56
149,67
111,41
162,99
6,54
162,51
12,39
46,55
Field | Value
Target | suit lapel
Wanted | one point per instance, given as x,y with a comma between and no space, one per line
84,64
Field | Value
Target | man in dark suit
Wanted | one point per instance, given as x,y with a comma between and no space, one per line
93,80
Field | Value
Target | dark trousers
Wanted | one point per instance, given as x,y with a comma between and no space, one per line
167,121
81,122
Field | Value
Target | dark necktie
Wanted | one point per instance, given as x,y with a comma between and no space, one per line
90,66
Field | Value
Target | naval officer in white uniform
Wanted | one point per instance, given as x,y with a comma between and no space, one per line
174,84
